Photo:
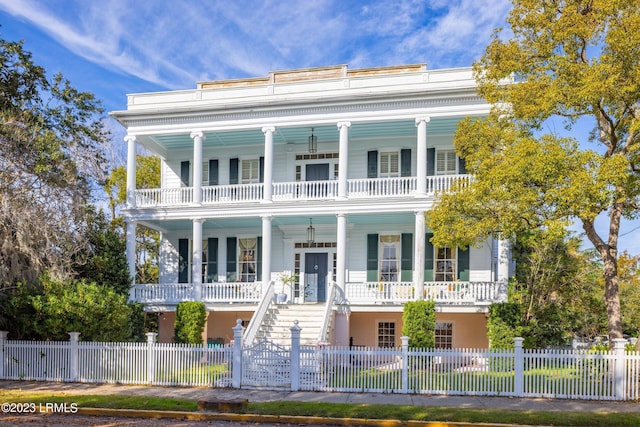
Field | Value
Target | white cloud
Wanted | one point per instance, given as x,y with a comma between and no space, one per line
174,44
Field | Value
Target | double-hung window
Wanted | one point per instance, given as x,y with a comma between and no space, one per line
444,335
389,259
446,162
247,258
250,171
446,264
389,164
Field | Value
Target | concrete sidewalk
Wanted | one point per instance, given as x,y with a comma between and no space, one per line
201,393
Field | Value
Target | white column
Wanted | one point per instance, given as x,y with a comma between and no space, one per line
266,251
343,159
421,155
268,163
196,257
418,255
131,170
341,252
197,137
504,256
131,250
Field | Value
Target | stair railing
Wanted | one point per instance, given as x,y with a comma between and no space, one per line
327,312
258,316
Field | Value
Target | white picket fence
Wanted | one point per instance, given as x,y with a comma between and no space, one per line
565,374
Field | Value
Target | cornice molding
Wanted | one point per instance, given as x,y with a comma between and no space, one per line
267,112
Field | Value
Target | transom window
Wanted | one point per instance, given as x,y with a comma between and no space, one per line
250,171
389,259
446,262
389,164
386,334
247,259
446,162
444,335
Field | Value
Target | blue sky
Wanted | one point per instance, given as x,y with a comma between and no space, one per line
115,47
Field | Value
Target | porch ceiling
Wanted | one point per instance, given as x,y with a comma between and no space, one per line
225,223
292,135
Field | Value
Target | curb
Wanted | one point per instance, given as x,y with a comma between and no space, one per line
291,419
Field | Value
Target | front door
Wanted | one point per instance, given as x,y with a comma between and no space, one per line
315,277
317,172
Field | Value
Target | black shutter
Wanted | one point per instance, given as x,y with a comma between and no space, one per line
184,173
183,260
431,161
213,172
261,169
406,260
372,164
428,258
259,258
405,162
372,257
231,259
463,265
233,171
212,259
462,166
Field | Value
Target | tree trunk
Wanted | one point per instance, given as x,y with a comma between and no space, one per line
612,296
609,253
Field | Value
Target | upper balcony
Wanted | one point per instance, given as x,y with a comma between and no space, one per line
366,188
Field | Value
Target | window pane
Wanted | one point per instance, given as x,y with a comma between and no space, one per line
247,259
389,261
445,264
389,166
386,334
444,335
250,171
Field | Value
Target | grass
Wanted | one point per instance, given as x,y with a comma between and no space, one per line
342,410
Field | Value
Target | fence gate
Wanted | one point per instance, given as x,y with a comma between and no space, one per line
266,364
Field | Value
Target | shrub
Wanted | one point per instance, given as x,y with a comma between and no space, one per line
190,319
419,323
504,324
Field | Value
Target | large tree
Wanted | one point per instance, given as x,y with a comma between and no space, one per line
51,138
147,240
576,60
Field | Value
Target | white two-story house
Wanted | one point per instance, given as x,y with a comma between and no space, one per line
324,174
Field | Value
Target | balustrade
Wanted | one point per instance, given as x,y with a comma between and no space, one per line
298,190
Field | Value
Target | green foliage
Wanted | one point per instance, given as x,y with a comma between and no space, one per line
554,283
569,61
419,323
147,240
97,312
106,263
504,324
190,319
51,151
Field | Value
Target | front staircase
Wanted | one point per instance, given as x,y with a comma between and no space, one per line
277,323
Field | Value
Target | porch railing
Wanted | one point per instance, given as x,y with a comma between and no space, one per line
151,197
258,316
232,292
381,187
232,193
298,190
440,292
463,293
305,190
174,293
